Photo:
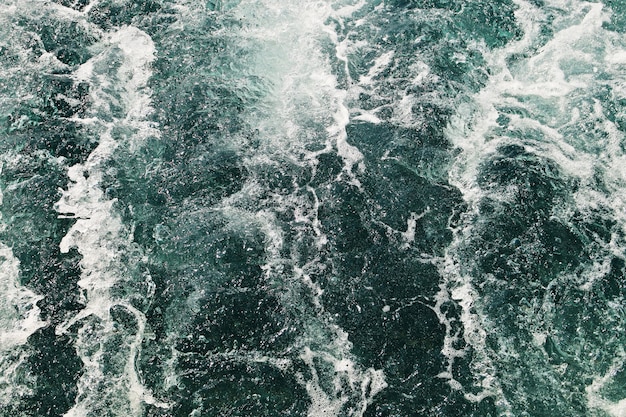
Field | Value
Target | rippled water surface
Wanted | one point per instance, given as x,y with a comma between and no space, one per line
333,208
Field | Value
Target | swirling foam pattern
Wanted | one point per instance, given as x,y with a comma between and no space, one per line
332,208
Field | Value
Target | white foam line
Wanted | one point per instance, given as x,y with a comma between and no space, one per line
456,287
19,314
138,394
99,234
550,83
303,81
350,154
468,130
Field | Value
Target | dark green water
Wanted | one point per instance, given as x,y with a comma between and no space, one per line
318,208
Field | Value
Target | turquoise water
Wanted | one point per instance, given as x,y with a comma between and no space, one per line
317,208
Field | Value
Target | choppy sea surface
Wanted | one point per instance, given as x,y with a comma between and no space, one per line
331,208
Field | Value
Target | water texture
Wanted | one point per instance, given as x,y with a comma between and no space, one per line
331,208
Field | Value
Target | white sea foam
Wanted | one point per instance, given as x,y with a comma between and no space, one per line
19,314
380,64
554,90
350,154
593,390
364,384
306,100
322,404
367,116
99,234
304,107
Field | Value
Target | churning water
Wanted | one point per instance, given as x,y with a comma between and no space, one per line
332,208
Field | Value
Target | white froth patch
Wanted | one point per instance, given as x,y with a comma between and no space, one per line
98,228
19,314
85,71
594,397
366,116
351,155
349,9
465,295
363,384
322,404
616,409
553,91
99,234
127,85
423,73
139,53
617,58
305,101
380,64
408,236
547,77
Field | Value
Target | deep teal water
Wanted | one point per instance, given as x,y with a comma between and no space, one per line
317,208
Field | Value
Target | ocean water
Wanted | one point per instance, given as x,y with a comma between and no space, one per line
331,208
